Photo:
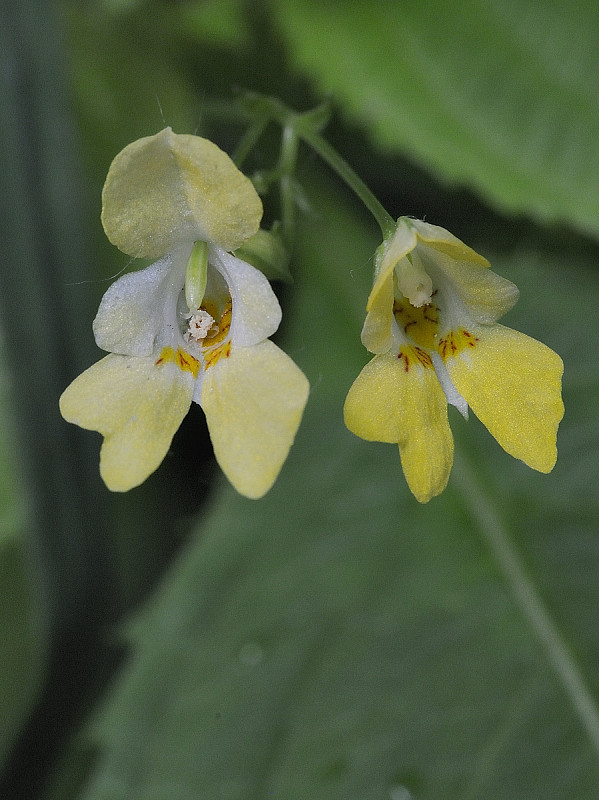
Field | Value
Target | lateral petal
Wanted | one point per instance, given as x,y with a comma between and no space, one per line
376,333
168,189
397,398
253,403
513,385
132,311
137,406
256,310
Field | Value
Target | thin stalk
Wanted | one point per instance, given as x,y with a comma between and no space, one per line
328,154
530,602
249,141
287,162
306,126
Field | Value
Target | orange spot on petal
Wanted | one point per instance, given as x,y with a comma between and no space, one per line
181,358
454,341
412,355
167,354
187,363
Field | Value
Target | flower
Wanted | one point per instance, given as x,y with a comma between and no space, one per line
432,323
193,326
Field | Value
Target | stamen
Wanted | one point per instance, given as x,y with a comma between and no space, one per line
200,325
196,275
413,280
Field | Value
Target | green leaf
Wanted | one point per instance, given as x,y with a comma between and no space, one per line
338,640
497,96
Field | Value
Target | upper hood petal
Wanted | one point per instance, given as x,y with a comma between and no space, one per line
167,189
469,289
445,242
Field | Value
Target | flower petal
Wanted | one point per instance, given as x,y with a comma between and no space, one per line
376,333
388,255
513,385
168,189
137,407
457,269
253,403
131,313
398,399
469,289
444,241
256,310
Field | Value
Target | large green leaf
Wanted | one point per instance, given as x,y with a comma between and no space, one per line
497,96
338,640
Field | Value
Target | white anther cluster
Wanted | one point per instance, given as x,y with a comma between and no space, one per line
200,324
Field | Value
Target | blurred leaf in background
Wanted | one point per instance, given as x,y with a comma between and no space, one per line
488,95
21,664
337,639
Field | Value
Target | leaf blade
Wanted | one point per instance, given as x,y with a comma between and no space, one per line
299,649
488,98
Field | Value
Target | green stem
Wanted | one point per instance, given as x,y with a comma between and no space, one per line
306,126
529,600
287,162
249,141
328,153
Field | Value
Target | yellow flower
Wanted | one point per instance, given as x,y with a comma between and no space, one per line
432,323
193,326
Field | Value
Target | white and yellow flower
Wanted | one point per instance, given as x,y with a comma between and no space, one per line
432,323
193,326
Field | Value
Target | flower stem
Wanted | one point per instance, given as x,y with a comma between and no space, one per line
328,153
249,141
287,161
307,126
529,600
